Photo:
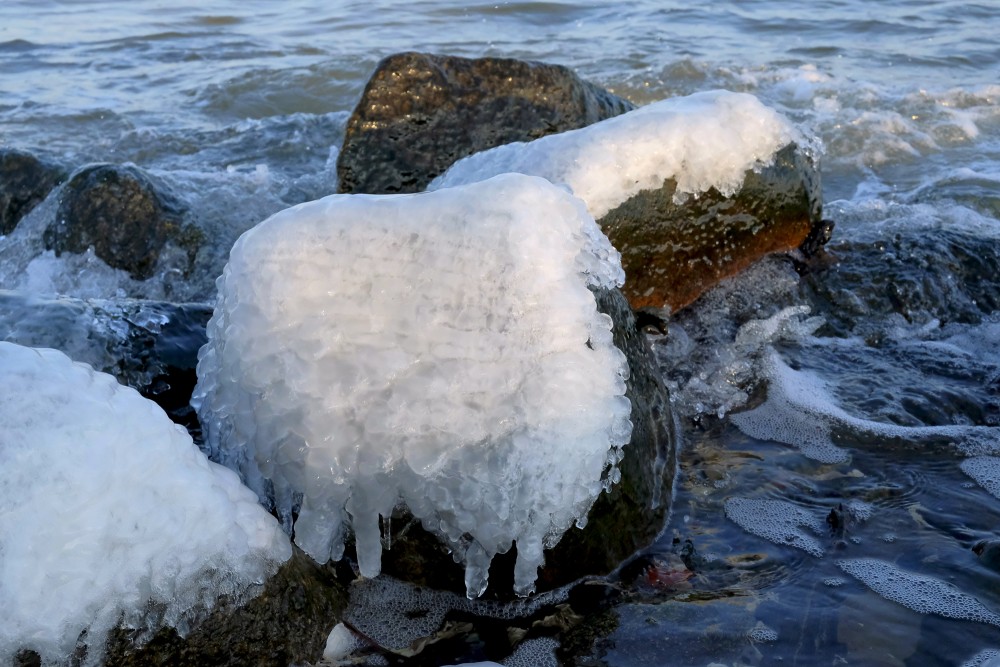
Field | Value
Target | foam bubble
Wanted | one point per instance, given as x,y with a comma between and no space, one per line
986,471
777,521
986,658
922,594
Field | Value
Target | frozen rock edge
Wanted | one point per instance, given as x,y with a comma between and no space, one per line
111,515
441,351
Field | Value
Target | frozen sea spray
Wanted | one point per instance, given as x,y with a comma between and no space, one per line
441,351
706,140
109,513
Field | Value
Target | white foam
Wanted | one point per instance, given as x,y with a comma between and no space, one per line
800,411
442,350
706,140
777,521
986,471
986,658
108,511
922,594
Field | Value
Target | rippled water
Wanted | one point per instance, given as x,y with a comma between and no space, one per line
240,109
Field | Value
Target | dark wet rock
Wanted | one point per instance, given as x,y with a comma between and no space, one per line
420,113
620,522
25,180
150,346
123,215
949,275
673,252
988,553
286,624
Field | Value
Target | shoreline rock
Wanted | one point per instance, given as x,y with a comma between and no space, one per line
119,211
25,180
421,112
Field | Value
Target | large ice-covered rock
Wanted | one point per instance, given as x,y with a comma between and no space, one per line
690,190
109,514
443,351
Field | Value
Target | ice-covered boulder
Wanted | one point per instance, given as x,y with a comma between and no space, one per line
420,112
691,190
443,351
109,515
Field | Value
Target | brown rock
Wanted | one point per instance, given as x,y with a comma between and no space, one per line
288,623
673,252
420,113
117,210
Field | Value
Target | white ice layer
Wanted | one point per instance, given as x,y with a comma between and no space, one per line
705,140
108,510
439,350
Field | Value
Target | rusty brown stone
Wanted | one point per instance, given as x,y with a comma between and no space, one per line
673,252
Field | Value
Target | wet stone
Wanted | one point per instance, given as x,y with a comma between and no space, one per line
421,112
288,623
25,180
117,210
673,251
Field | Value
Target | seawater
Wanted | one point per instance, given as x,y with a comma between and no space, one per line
240,109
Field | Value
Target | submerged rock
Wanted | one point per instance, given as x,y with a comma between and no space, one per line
25,180
118,211
420,113
673,251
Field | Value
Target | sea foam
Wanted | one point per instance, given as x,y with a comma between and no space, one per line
440,351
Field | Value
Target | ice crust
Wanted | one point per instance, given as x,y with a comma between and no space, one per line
108,512
709,139
439,350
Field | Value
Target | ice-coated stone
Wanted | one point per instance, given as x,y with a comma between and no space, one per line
109,515
25,180
691,190
441,351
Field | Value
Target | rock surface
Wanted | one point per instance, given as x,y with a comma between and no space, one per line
118,210
420,113
286,624
25,181
673,251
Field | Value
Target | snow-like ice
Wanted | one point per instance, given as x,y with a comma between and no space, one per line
440,350
109,512
709,139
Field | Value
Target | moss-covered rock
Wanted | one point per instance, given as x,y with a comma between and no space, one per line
420,113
